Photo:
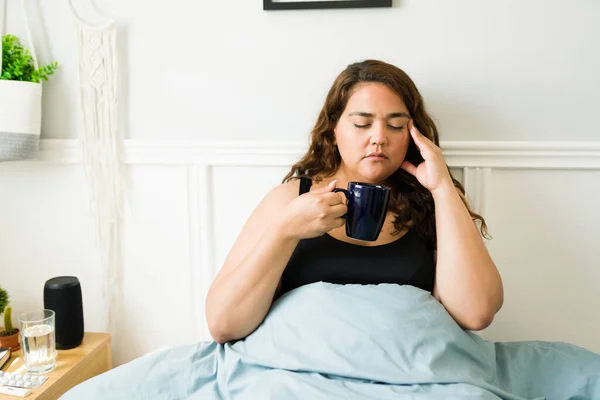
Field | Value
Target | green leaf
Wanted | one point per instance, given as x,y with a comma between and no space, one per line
8,319
4,299
17,63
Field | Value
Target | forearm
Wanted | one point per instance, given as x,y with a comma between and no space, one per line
238,302
468,283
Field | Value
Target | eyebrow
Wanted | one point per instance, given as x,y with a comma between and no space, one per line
369,115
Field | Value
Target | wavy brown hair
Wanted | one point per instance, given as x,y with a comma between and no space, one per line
411,203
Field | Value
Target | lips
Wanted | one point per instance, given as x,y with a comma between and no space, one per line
377,156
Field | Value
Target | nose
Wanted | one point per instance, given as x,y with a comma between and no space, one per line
378,135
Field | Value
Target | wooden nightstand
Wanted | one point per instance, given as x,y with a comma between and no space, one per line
92,357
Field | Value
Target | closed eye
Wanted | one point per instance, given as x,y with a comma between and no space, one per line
397,128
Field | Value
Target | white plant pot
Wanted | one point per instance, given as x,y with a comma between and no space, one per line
20,119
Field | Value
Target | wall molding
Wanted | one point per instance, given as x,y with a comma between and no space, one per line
459,154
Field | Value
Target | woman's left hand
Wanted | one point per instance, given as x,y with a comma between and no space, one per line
433,172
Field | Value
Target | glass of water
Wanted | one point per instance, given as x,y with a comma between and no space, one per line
39,344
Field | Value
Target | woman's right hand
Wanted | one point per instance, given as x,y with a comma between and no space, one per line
314,213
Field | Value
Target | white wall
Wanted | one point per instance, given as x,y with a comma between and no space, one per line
489,70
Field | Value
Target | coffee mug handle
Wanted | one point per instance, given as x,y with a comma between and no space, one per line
346,193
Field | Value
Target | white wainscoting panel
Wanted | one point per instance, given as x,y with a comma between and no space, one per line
476,183
46,230
157,307
187,201
239,191
546,231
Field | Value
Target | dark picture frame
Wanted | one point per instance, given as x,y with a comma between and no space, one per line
318,5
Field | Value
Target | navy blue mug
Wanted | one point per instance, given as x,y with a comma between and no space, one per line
367,208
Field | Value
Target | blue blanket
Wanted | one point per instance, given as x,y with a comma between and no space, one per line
325,341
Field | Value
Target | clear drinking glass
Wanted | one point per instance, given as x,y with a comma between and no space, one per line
39,343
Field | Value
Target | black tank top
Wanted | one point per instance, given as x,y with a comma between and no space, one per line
405,261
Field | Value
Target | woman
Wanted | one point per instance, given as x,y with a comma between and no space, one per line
373,128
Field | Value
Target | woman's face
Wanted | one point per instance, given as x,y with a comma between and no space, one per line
372,135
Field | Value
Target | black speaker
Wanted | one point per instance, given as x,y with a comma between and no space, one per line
63,296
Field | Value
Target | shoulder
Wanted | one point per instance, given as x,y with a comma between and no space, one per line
284,192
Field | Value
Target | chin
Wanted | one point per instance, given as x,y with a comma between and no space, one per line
375,177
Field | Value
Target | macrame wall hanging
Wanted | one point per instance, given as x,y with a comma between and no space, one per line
101,144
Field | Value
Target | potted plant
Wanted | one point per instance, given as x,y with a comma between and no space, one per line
9,336
19,65
20,97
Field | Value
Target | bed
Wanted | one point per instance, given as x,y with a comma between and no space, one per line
327,341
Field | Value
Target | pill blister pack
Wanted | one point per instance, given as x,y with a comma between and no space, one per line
21,380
